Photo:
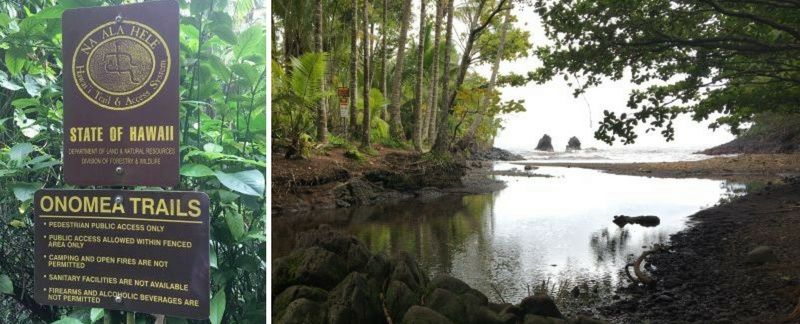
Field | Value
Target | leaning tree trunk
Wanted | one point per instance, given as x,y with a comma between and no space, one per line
417,136
440,145
384,113
365,124
431,128
476,122
322,109
352,128
396,124
443,140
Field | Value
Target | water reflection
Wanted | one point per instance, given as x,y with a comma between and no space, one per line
558,230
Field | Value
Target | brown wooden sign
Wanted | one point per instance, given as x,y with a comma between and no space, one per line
121,95
142,251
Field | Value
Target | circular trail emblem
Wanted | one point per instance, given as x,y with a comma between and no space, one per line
121,65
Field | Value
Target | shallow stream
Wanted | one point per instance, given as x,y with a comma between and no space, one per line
555,229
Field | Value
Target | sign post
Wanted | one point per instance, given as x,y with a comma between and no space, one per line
121,95
137,251
142,251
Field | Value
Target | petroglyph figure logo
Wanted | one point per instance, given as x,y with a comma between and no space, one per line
121,65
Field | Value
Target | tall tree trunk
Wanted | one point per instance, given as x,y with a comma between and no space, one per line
417,136
384,29
365,125
476,29
431,129
476,122
353,69
322,109
440,145
396,124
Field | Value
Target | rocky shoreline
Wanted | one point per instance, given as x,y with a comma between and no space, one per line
705,274
334,181
333,278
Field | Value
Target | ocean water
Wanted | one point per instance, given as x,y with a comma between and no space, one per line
614,155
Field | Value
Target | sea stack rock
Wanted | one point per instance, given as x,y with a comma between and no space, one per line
574,144
545,144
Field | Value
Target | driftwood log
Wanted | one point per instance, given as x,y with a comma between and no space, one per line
641,276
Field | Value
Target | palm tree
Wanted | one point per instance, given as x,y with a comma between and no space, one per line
365,125
431,134
440,144
353,67
395,124
322,109
385,31
417,136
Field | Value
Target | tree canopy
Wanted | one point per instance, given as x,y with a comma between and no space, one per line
737,58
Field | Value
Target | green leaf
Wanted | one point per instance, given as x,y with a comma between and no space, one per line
20,151
196,7
6,287
217,307
23,103
96,314
49,13
196,171
224,32
67,320
33,85
212,257
6,172
250,182
24,191
225,196
235,223
15,60
5,82
213,148
251,42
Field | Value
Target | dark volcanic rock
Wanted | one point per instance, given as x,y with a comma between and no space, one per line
646,221
446,303
760,255
353,301
545,144
312,266
303,311
496,154
424,315
573,144
541,305
399,298
293,293
407,270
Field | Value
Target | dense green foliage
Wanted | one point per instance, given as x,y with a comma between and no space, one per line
295,52
733,57
223,148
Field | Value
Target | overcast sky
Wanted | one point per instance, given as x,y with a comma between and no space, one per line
552,109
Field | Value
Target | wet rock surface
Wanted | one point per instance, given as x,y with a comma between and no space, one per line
738,263
378,289
545,144
496,154
573,144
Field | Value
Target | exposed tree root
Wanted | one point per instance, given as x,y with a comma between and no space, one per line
794,317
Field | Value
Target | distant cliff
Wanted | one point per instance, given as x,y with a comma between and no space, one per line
769,134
